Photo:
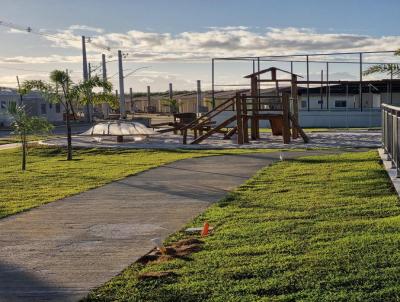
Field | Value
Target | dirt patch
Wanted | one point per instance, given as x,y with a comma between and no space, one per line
177,250
182,248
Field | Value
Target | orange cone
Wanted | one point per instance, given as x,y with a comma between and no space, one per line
205,230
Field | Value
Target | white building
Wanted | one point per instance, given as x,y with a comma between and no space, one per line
347,96
34,103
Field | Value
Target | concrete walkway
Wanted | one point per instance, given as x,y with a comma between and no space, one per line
59,251
332,139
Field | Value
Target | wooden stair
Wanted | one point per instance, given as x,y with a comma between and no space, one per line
205,123
214,130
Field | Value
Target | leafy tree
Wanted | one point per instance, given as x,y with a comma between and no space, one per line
25,125
391,68
60,89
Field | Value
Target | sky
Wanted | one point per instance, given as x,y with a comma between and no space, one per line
176,39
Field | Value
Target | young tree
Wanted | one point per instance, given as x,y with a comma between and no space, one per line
60,89
25,125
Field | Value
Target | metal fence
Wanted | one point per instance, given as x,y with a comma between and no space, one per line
390,135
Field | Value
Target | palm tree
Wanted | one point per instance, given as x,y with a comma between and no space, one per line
60,89
391,68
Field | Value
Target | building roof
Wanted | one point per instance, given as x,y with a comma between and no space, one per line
352,87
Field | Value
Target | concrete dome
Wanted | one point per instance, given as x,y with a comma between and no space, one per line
119,129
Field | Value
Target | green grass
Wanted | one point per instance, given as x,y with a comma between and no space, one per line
322,228
50,177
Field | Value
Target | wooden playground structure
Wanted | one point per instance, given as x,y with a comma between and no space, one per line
247,110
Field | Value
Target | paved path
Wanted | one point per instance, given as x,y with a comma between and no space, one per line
59,251
9,146
332,139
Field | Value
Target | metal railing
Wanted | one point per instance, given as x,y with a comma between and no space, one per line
390,135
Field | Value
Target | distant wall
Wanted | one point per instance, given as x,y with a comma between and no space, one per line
327,119
340,119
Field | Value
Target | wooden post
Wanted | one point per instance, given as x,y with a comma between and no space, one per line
273,78
286,121
239,120
254,111
295,100
245,119
184,140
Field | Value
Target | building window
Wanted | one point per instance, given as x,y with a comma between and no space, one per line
3,105
58,108
43,108
303,104
50,106
340,104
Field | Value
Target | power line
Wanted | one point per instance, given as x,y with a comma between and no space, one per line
53,35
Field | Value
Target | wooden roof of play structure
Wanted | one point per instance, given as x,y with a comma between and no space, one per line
271,69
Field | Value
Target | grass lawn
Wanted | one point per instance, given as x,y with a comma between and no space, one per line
321,228
50,177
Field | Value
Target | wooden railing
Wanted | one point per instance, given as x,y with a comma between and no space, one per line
210,114
390,134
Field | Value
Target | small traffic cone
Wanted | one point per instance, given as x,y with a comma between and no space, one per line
205,230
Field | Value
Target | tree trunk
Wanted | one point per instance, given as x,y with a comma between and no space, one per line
23,151
69,137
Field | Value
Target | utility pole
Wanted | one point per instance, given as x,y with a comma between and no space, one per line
86,77
198,97
104,106
122,110
171,96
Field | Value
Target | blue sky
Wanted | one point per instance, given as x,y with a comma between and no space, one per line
177,38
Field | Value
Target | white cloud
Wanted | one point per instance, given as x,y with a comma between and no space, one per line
16,31
225,41
41,59
200,46
86,28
